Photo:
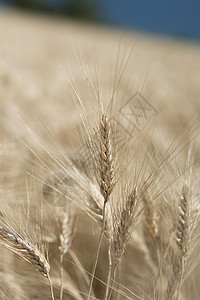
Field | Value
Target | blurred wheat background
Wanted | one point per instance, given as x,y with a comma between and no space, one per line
46,64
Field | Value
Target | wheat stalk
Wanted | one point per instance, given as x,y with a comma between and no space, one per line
104,164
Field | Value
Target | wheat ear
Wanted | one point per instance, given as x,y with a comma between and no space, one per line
105,179
123,225
182,233
182,240
151,222
105,159
65,243
27,251
151,218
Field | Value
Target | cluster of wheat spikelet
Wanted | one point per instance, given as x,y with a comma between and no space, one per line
134,204
121,222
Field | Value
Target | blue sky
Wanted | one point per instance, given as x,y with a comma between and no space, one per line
171,17
174,17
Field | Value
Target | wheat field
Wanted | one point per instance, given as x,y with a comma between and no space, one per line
99,162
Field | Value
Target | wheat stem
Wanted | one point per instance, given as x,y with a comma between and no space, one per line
97,252
61,277
113,276
181,277
51,287
118,279
109,272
